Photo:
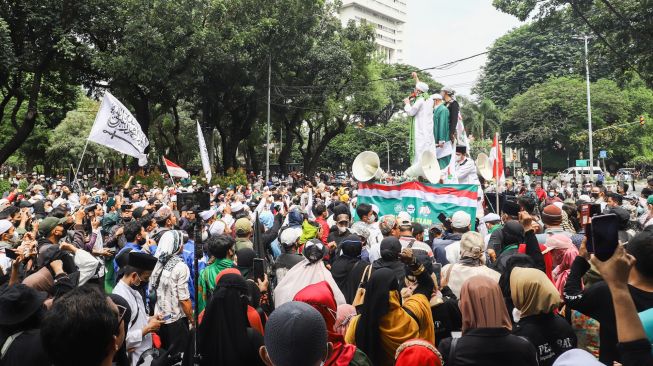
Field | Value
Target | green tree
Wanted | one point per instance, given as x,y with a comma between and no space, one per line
533,53
481,119
67,140
553,115
622,28
41,57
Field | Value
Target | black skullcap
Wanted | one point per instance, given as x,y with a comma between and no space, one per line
461,149
142,261
295,335
390,248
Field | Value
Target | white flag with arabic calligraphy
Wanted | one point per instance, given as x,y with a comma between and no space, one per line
116,127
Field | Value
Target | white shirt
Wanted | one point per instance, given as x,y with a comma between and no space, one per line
173,288
134,337
374,242
466,172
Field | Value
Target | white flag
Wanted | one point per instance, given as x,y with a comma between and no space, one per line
115,127
204,154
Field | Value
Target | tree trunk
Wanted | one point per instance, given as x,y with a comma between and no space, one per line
286,149
175,133
26,128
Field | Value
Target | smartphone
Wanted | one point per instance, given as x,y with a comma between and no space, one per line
587,211
605,235
442,217
259,269
11,254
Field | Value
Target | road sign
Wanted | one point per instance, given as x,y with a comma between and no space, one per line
536,166
581,163
603,154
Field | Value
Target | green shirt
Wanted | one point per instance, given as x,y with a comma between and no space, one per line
207,280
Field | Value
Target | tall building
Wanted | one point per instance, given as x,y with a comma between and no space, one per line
388,18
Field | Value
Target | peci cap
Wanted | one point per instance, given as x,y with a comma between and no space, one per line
460,220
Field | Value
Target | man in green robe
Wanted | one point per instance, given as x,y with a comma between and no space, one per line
441,132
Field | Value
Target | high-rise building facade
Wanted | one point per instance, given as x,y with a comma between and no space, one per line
387,17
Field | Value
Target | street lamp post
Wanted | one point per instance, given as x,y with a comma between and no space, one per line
589,110
386,141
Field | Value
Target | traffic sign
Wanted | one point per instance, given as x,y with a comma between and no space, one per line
581,162
603,154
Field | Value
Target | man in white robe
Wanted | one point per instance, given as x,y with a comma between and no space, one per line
139,338
422,111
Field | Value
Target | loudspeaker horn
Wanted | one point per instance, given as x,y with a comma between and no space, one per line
367,166
484,166
428,167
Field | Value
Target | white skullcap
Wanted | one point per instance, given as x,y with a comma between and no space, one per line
436,96
237,206
4,226
217,228
290,235
422,86
207,215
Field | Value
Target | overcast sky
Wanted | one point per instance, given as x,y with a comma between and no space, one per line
463,28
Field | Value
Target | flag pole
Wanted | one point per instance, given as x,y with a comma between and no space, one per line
497,173
79,166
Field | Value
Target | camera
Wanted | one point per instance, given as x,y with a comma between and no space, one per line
195,201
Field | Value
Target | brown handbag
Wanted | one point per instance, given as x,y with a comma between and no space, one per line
360,292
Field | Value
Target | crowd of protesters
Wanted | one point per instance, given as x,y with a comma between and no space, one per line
298,273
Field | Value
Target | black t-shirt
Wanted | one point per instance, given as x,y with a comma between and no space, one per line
549,333
596,302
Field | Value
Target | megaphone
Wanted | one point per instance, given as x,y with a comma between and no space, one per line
484,166
427,167
367,166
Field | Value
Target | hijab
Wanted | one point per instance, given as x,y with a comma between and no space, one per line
167,254
532,292
375,306
223,336
418,352
482,306
347,269
390,249
320,296
384,324
517,260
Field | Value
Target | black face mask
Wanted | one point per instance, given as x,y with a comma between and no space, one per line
594,195
142,242
126,219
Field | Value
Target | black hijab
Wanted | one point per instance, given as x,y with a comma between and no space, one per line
347,269
223,335
390,249
516,260
375,305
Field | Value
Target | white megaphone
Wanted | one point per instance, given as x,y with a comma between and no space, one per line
484,166
367,166
427,167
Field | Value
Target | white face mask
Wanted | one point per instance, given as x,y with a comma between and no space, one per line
342,229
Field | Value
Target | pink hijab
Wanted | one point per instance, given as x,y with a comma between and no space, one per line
563,254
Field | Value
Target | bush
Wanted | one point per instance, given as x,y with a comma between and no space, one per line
232,178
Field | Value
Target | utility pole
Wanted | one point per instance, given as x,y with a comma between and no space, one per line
267,141
589,110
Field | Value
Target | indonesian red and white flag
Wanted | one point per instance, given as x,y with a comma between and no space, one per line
498,173
175,170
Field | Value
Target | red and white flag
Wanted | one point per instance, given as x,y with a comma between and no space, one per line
498,173
175,170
